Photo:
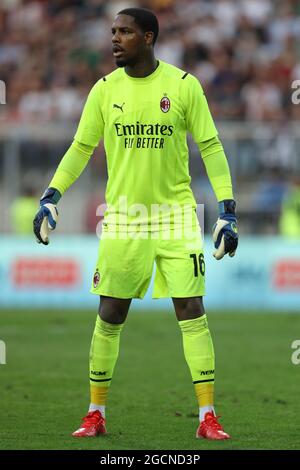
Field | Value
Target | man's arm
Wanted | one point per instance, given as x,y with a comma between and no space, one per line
88,135
217,168
201,125
225,230
70,168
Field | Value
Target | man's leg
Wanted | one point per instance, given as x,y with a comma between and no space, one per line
105,348
103,357
198,349
199,355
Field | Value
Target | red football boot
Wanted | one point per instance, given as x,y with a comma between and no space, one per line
92,425
209,428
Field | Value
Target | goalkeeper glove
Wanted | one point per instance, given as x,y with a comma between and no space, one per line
47,215
225,233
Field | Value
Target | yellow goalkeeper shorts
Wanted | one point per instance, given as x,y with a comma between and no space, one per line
125,264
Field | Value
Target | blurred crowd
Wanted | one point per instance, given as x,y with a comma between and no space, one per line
246,53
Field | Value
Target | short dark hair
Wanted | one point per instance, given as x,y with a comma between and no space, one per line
144,18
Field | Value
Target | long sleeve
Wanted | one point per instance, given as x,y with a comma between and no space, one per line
71,166
90,131
217,168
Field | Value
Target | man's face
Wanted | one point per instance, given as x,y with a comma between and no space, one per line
128,41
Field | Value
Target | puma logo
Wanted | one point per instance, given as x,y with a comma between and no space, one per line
119,107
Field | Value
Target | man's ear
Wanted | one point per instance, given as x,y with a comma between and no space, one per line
149,36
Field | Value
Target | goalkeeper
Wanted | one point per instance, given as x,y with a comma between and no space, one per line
143,111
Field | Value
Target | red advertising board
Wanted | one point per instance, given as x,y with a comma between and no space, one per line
287,274
45,272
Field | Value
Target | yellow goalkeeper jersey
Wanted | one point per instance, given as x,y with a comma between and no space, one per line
144,124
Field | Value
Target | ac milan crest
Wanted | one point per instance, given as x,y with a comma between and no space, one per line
165,104
96,279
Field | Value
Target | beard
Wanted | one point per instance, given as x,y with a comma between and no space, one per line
121,62
126,61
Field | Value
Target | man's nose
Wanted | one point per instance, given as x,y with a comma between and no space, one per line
115,38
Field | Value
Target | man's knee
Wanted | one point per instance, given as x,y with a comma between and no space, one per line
113,310
188,308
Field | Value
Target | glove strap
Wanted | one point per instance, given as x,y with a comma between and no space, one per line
51,195
227,207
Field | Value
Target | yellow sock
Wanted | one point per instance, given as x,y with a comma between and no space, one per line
199,355
98,395
205,394
103,357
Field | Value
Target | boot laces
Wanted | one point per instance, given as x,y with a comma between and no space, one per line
92,418
212,420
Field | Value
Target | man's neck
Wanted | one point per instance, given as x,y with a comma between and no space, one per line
142,69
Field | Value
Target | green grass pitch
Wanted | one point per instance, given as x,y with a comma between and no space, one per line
151,405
